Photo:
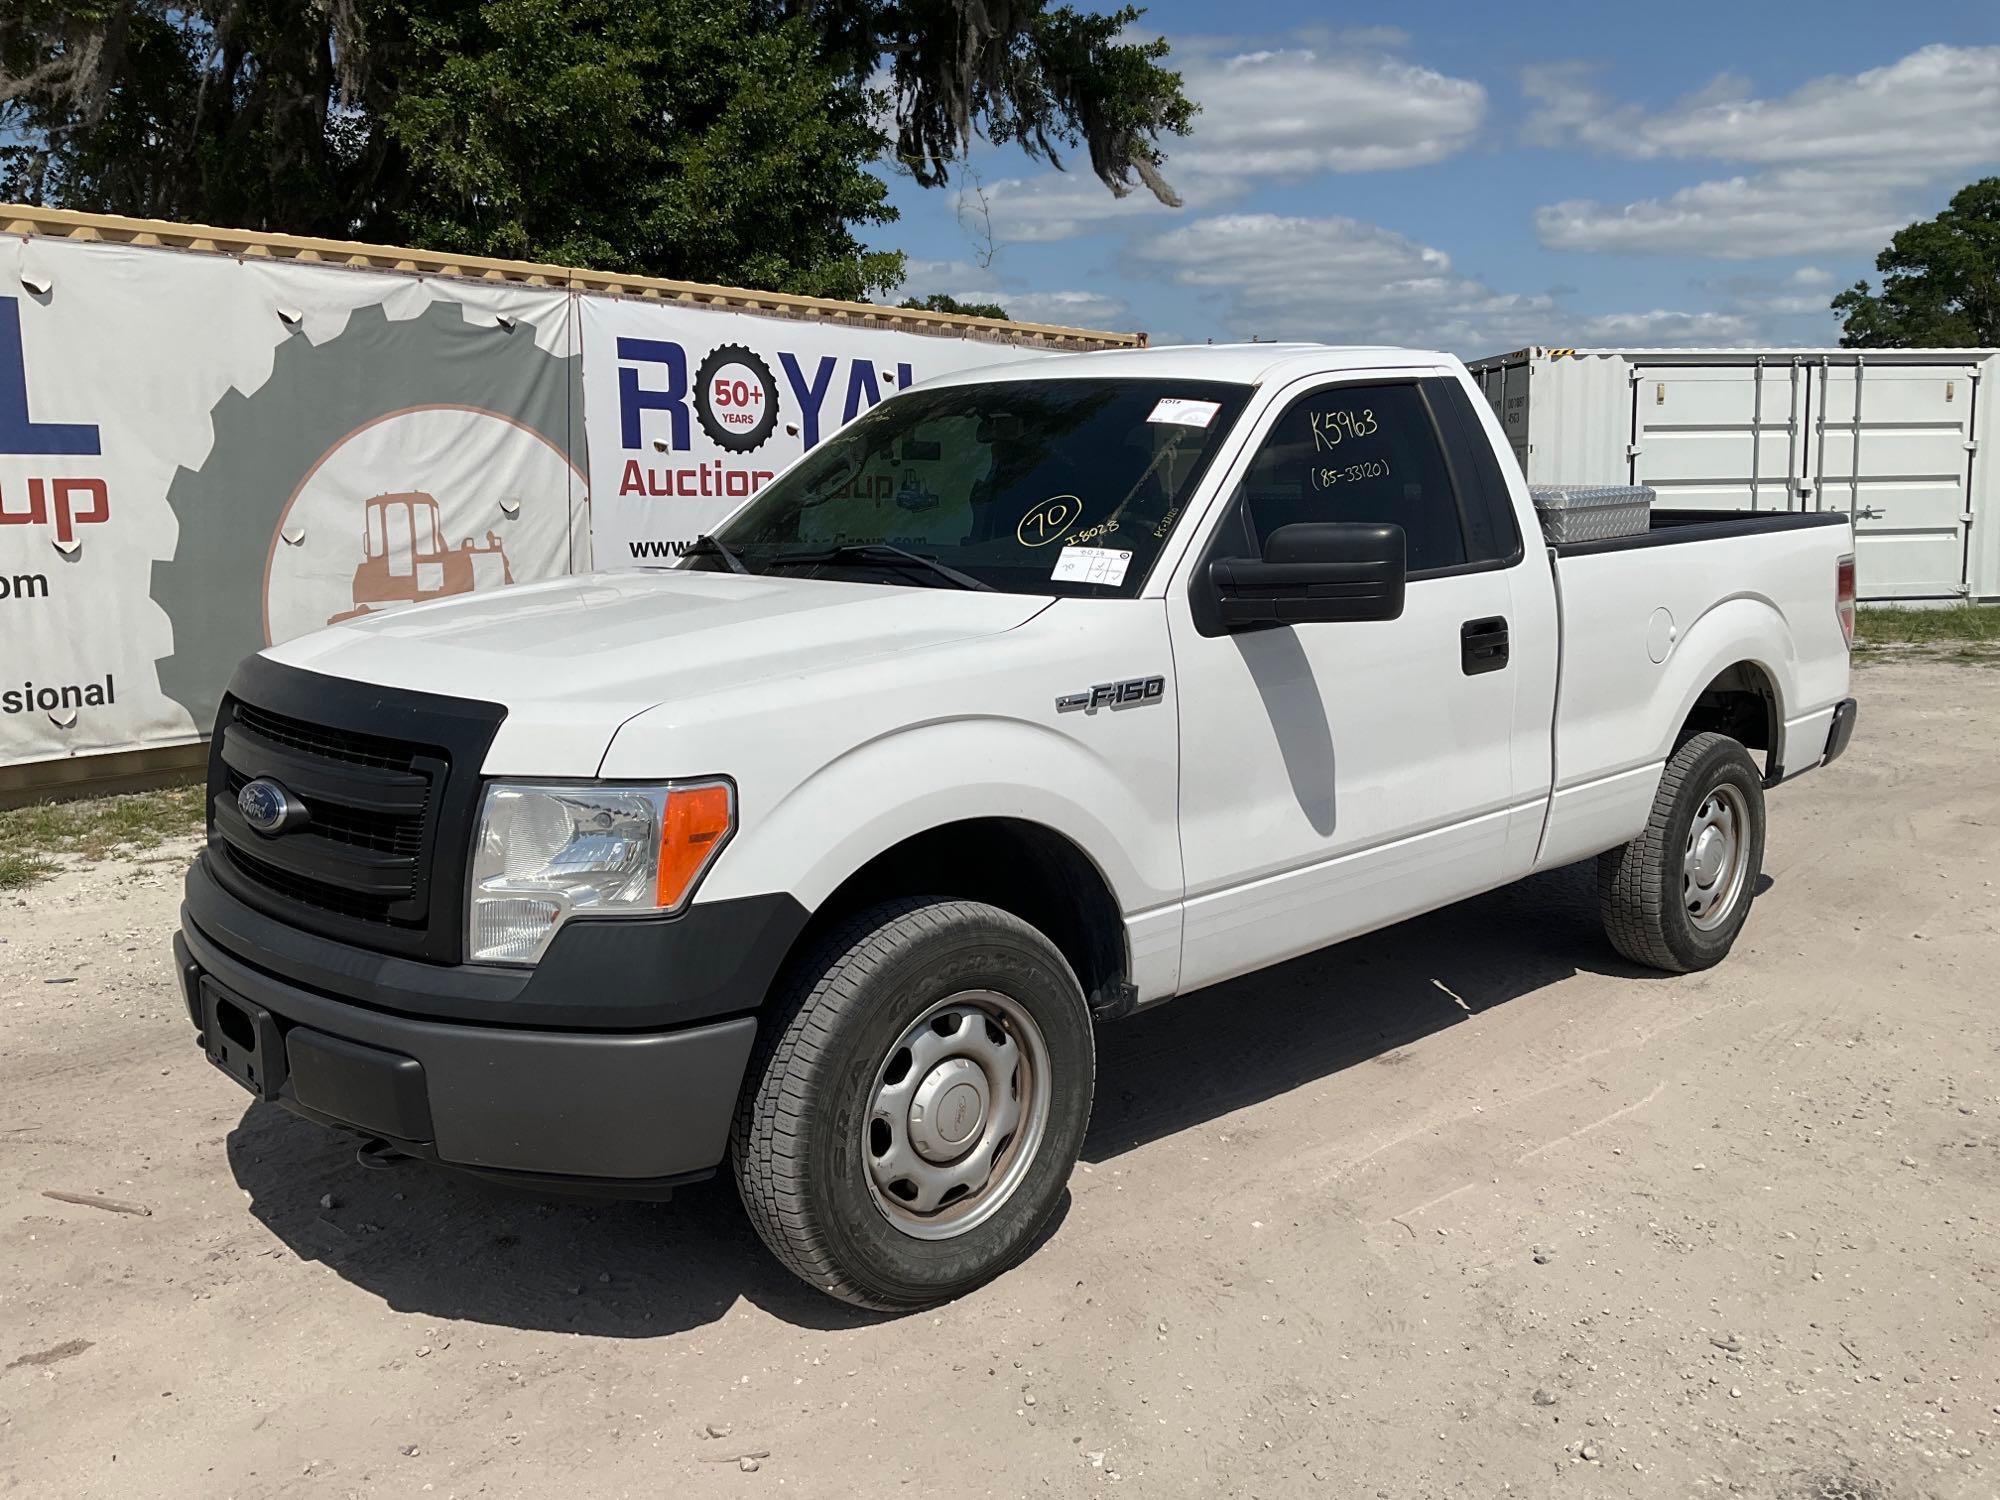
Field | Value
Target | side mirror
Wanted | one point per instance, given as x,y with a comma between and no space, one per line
1315,573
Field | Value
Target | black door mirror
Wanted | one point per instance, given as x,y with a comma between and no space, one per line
1313,573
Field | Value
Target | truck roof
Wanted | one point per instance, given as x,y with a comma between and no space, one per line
1741,354
1247,364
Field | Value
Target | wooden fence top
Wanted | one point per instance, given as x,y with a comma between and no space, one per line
247,244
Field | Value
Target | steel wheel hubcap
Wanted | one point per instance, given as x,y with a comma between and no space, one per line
1717,858
958,1110
949,1109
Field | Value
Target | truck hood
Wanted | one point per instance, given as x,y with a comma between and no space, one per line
574,658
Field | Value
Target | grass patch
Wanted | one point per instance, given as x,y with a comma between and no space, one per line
1954,625
31,838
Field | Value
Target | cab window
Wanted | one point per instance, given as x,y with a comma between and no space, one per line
1352,453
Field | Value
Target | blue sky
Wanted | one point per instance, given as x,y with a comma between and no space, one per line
1481,178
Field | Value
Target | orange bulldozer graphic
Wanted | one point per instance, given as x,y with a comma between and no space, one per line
405,557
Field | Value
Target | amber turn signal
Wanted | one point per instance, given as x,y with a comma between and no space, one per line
696,821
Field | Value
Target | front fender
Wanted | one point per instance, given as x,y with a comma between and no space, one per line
884,790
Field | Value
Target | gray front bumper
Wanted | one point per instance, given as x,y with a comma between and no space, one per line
604,1109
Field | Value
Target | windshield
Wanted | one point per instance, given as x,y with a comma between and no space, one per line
1067,486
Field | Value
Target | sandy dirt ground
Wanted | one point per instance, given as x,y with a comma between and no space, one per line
1468,1207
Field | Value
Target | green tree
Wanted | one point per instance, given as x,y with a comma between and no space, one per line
944,302
1940,281
714,140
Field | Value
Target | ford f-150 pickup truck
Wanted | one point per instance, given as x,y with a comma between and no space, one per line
822,852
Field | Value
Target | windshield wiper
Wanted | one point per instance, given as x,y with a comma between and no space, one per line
707,545
881,552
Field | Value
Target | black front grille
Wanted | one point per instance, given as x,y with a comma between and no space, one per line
386,833
359,851
379,856
318,894
329,744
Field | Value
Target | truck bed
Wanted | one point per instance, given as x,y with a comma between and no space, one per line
1670,527
1648,621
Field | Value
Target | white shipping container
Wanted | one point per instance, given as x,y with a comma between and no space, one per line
1895,437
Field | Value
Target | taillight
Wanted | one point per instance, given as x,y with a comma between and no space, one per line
1843,596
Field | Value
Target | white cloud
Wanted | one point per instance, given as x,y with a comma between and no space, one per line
1736,218
1070,309
1062,205
974,283
1293,111
1764,297
1798,307
1705,330
1348,281
955,278
1844,159
1340,103
1567,105
923,276
1384,37
1339,279
1936,110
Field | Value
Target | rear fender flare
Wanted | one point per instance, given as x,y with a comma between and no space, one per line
1745,628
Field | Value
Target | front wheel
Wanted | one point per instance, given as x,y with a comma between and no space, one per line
915,1107
1678,894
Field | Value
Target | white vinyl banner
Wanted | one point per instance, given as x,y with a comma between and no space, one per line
200,456
691,411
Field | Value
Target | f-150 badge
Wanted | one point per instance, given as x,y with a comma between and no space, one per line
1127,694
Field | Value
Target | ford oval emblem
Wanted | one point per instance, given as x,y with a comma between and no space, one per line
268,807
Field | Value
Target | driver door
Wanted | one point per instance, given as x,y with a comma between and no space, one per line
1337,777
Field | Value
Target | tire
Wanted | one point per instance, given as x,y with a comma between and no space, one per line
954,989
1661,906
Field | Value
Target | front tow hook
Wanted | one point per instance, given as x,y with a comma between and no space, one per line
379,1156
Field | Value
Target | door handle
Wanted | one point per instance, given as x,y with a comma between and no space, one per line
1482,645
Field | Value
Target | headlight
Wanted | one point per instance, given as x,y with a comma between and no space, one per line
547,853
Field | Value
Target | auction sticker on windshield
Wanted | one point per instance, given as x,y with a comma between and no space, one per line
1104,565
1181,412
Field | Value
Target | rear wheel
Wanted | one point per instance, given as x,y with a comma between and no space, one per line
1677,895
916,1105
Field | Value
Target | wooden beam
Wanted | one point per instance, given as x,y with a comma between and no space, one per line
59,223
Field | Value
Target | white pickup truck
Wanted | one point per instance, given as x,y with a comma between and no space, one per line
1036,695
